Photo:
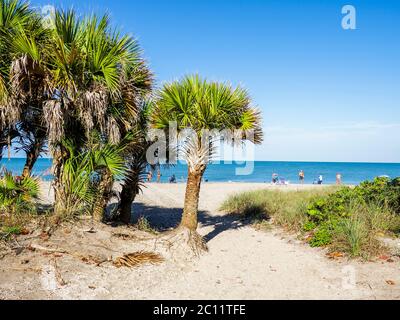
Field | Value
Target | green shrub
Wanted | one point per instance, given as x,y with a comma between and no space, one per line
309,226
322,237
380,192
144,225
12,230
18,196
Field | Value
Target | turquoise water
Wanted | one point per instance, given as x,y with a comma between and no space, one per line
353,173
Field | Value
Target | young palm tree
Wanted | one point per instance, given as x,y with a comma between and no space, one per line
82,187
199,105
17,196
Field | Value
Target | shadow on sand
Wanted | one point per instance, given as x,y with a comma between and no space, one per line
164,219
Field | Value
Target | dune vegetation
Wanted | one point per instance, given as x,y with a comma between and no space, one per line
346,220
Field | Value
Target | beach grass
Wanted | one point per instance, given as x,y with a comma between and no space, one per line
286,208
355,234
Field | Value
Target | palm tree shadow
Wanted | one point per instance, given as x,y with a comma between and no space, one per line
164,219
221,223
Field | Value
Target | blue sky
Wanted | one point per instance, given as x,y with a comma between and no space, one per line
327,94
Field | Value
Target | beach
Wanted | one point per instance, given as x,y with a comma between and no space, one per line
352,173
242,262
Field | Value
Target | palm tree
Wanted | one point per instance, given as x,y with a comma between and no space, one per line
136,161
77,76
199,105
97,79
21,80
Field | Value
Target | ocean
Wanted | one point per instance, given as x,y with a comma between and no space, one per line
352,173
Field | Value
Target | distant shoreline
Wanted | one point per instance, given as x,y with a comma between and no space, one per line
256,161
256,172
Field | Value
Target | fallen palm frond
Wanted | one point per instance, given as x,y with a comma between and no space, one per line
136,259
93,260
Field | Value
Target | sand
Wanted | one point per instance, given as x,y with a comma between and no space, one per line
242,263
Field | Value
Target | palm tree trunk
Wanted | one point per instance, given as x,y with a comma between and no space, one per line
2,145
190,210
128,195
130,190
32,155
60,200
186,233
105,189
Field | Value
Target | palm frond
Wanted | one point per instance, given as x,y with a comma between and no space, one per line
202,106
16,195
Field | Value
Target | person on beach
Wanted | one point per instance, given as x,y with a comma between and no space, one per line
159,176
301,176
339,179
172,179
275,178
320,179
150,176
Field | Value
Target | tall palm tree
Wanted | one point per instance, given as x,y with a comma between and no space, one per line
78,76
97,78
199,105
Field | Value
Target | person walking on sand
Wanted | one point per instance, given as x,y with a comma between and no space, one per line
301,176
339,179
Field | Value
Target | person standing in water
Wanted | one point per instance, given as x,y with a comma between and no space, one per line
158,176
338,179
301,176
320,179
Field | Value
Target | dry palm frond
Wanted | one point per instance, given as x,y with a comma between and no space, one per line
138,258
54,118
10,111
93,260
93,107
197,151
113,132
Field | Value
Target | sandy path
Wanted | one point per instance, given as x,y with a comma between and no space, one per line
242,263
247,264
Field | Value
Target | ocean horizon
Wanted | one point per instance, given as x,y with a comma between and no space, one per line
352,172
